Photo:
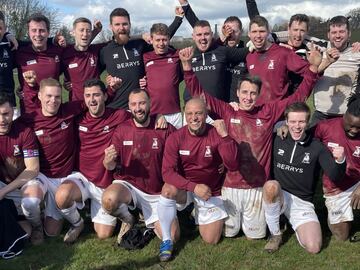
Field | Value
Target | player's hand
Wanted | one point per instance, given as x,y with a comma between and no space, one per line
97,26
338,153
19,93
355,47
235,106
67,85
110,154
59,39
314,58
286,45
113,82
185,56
202,191
146,37
332,55
11,38
161,122
30,77
183,2
282,131
179,11
250,46
227,30
220,127
355,198
143,82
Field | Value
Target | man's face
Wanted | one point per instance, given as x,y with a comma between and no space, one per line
236,34
120,26
258,35
297,31
95,100
2,29
6,116
139,106
195,115
82,34
160,43
339,36
247,94
38,34
202,37
297,122
50,98
351,125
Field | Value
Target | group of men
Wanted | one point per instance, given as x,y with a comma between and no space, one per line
110,144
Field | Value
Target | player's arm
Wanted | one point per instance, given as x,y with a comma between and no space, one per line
97,27
334,163
189,13
174,26
110,156
252,8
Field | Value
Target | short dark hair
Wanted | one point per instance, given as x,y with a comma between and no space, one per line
160,29
119,12
338,21
260,21
5,98
81,20
298,107
353,105
38,17
95,82
202,23
138,91
299,18
253,79
234,19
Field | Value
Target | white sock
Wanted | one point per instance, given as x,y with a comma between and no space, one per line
72,215
31,209
166,213
272,217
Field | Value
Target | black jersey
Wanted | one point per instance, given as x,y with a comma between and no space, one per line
6,70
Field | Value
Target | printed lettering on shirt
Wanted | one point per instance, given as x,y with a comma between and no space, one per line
331,144
281,152
289,168
3,65
115,56
106,129
16,150
184,152
149,63
155,144
128,64
128,142
73,65
213,58
31,62
235,121
306,158
57,59
241,64
251,66
5,54
204,68
92,62
258,123
64,125
271,64
39,132
193,60
208,151
170,60
357,152
81,128
136,53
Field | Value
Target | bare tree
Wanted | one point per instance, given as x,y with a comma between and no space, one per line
355,18
17,13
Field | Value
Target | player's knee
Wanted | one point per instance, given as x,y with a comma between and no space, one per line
211,239
340,231
313,247
271,191
63,197
30,205
109,202
169,191
103,233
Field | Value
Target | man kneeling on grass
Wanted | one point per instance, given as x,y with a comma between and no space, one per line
191,160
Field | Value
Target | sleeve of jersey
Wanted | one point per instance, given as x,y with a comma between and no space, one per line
174,26
229,153
335,171
30,147
296,64
170,166
190,15
252,8
194,87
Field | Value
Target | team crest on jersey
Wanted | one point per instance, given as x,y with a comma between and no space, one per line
193,60
241,64
155,144
64,125
306,158
281,152
208,151
251,66
16,150
136,53
115,56
106,129
271,64
258,123
170,60
92,62
5,54
57,59
357,152
213,58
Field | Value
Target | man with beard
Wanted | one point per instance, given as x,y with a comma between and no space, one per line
19,168
135,157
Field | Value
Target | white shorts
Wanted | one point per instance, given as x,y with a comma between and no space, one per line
209,211
338,206
297,210
175,119
94,193
245,210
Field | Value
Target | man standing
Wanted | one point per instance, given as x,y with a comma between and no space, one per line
296,163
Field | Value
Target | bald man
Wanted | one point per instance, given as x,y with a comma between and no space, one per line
191,160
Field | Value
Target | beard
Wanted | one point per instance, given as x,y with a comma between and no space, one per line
122,37
141,120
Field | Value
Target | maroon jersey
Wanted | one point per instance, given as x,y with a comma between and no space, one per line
190,160
56,136
80,66
46,64
331,133
273,66
18,144
253,130
163,73
94,137
140,154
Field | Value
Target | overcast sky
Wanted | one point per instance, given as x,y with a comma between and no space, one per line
146,12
